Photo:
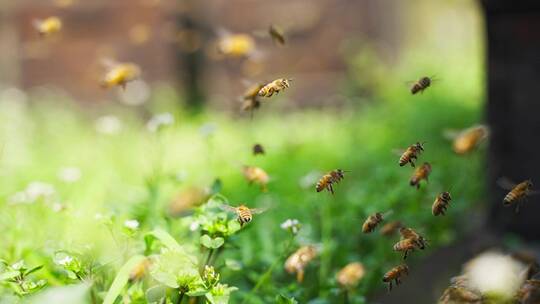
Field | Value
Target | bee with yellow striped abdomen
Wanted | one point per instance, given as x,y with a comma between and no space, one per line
326,182
244,214
420,85
411,154
119,74
395,274
371,222
517,193
419,174
441,203
467,140
409,233
48,26
274,87
405,245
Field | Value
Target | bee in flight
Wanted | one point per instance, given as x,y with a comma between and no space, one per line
244,214
422,84
441,203
258,149
467,140
256,175
411,154
326,182
395,274
251,100
276,35
390,228
119,74
275,86
410,240
48,26
419,174
518,193
373,221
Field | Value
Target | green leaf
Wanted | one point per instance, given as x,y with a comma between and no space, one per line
176,269
8,275
29,271
216,187
208,242
281,299
165,238
154,294
122,278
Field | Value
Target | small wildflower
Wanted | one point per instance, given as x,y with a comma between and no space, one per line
292,225
210,276
32,193
297,262
108,125
159,121
70,174
350,275
131,224
208,129
194,226
65,260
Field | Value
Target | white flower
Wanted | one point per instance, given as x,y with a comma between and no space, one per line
64,261
208,129
69,174
159,121
495,274
131,224
194,225
291,224
33,192
108,124
135,94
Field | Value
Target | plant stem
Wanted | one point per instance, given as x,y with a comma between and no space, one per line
180,298
210,252
326,236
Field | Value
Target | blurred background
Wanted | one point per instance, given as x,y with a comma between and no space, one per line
75,151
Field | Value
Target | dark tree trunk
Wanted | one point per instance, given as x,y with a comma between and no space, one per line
513,109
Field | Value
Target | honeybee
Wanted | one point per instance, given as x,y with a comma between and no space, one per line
276,35
372,221
245,214
517,193
390,228
258,149
459,294
48,26
333,177
251,100
467,140
409,233
297,262
441,203
529,292
419,174
411,154
405,245
395,274
119,74
420,85
256,175
274,87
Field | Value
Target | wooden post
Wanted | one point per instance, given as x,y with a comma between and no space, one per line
513,109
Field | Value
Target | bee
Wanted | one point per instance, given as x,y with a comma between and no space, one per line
390,228
251,100
467,140
244,214
298,261
441,203
274,87
256,175
411,154
258,149
459,294
372,221
395,274
420,85
405,245
529,292
276,35
333,177
419,174
409,233
517,193
48,26
119,74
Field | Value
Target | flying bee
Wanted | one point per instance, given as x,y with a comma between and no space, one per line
276,35
256,175
467,140
326,182
390,228
411,154
119,74
373,221
409,233
405,245
275,86
419,174
422,84
441,203
258,149
518,193
244,214
48,26
395,274
459,294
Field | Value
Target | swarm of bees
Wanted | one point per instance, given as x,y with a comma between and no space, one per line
48,26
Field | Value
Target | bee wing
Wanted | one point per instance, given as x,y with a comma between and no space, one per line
398,152
276,35
227,208
505,183
258,210
388,213
108,63
450,133
406,233
36,23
